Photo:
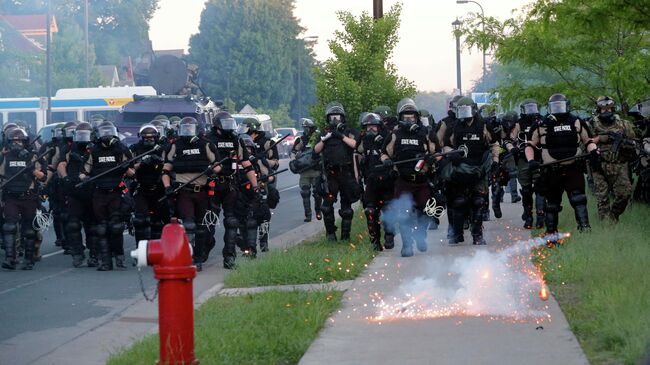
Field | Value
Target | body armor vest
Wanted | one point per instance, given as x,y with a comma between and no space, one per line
226,147
105,159
561,138
76,160
148,174
336,152
190,157
473,137
13,165
371,158
408,145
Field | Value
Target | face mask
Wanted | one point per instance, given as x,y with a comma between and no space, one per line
16,146
607,117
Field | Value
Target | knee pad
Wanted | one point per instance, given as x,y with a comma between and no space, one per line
28,232
346,213
231,222
371,213
304,192
459,202
478,201
251,222
190,225
553,207
141,221
526,190
577,198
327,208
9,228
101,228
73,225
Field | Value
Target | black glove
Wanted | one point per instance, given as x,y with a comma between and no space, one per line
594,159
533,165
379,138
337,134
23,154
431,159
388,163
340,127
455,159
252,159
515,151
169,192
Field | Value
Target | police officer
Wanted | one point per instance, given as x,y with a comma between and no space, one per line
468,185
612,176
447,123
53,188
108,153
265,159
309,177
337,144
230,147
150,215
20,170
379,182
405,143
560,136
189,157
388,118
78,201
521,133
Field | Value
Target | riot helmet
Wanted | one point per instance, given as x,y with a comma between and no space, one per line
408,114
335,114
371,123
453,104
248,143
57,132
174,122
425,118
605,109
487,112
466,109
68,130
308,127
224,123
163,117
508,120
107,133
83,133
160,127
250,126
188,128
17,138
149,135
529,108
558,104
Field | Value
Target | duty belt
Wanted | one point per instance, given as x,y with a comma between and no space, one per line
109,190
28,194
193,188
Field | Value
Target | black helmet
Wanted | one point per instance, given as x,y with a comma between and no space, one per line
106,132
335,113
162,117
307,123
149,135
487,112
408,115
224,122
250,125
83,132
248,142
558,104
97,118
69,129
9,125
160,127
369,119
384,111
57,131
17,134
509,119
188,127
453,104
529,107
466,109
406,106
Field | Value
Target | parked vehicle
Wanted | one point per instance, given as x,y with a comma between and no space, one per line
288,142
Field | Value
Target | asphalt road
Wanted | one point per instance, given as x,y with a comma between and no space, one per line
56,295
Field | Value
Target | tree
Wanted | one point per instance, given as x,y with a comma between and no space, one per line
279,116
582,50
248,50
360,75
69,58
22,74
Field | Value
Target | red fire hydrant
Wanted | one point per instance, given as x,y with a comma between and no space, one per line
171,258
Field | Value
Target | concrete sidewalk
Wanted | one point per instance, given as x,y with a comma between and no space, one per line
352,336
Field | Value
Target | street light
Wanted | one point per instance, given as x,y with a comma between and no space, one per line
311,38
482,21
456,25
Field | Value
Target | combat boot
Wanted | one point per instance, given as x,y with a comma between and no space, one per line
389,241
528,216
477,239
331,237
496,208
92,261
456,239
77,260
119,261
540,220
229,263
407,250
28,262
582,217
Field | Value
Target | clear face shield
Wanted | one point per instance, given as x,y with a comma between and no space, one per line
187,130
229,124
464,112
162,132
424,121
107,132
408,118
531,109
57,133
334,119
82,136
69,132
557,107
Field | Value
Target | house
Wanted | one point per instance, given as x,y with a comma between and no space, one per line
109,75
33,27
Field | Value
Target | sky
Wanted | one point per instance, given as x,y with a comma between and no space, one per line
426,53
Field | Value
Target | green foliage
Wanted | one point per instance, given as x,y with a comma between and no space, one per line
69,59
582,50
360,75
274,327
22,74
247,50
315,261
279,116
602,283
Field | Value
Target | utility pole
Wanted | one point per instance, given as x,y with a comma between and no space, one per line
377,9
456,25
48,63
87,46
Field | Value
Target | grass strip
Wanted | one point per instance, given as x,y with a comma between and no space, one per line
602,282
314,261
273,327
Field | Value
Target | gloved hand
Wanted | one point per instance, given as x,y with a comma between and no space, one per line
515,151
252,159
169,192
326,137
379,138
388,163
337,134
533,165
455,159
594,159
23,154
340,127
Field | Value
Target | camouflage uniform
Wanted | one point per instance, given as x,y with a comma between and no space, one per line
613,176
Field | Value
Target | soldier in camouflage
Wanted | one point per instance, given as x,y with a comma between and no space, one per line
612,177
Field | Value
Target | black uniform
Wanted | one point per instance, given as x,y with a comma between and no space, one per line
150,215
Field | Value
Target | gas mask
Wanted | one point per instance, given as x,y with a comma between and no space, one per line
606,117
